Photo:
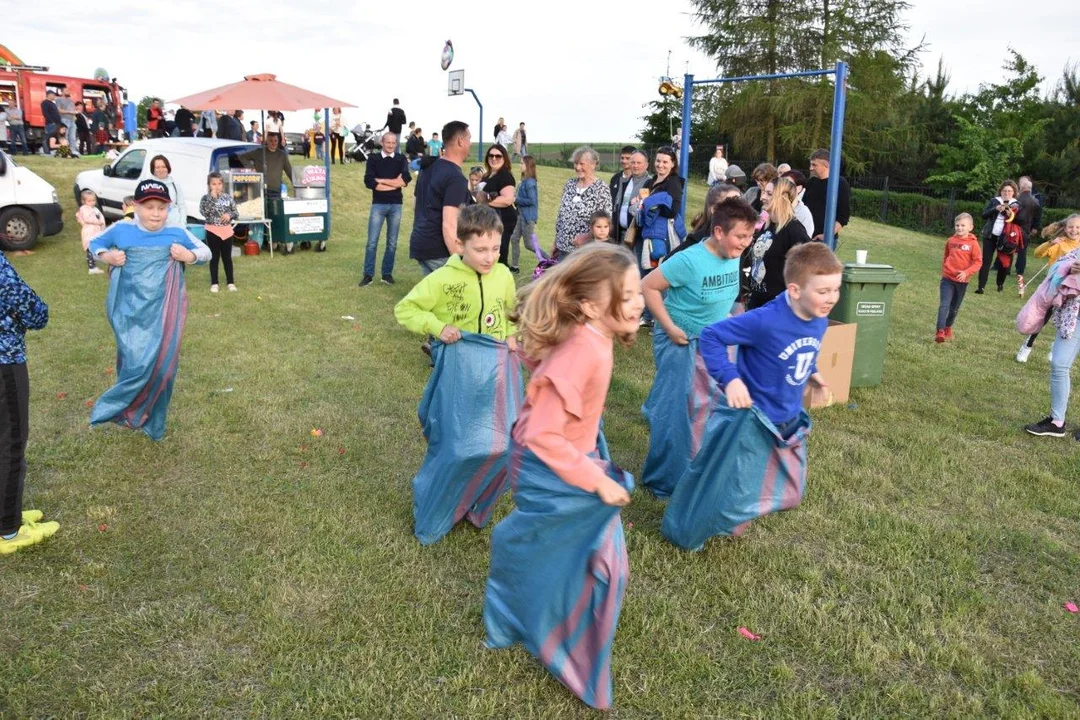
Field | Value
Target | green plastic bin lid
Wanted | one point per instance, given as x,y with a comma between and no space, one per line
871,273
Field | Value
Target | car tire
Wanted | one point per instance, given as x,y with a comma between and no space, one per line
18,229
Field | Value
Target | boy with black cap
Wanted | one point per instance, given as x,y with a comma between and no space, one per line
147,307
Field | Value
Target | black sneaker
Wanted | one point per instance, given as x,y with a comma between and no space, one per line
388,279
366,281
426,347
1076,436
515,269
979,291
1046,428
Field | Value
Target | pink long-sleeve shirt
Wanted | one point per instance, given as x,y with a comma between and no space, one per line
564,401
92,221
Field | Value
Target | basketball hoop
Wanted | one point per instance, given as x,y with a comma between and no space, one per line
456,84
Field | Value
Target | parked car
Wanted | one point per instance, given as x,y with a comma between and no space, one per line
191,159
296,143
29,207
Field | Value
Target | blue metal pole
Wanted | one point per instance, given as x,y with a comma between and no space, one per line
327,145
480,144
778,76
684,136
833,189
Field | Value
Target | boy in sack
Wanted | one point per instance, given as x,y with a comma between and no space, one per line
963,258
753,458
472,398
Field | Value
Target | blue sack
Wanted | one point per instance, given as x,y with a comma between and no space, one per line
677,411
558,575
468,409
745,469
147,308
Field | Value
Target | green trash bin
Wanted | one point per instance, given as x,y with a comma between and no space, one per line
866,297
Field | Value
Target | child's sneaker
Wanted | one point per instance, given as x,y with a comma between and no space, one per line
948,333
214,288
1023,353
1046,428
232,288
940,337
96,271
29,534
1020,286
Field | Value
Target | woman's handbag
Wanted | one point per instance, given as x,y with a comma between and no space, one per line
631,234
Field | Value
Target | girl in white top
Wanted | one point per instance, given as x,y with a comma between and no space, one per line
273,123
718,167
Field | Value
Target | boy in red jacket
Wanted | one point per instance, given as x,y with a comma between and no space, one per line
963,258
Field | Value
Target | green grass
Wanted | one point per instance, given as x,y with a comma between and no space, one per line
245,568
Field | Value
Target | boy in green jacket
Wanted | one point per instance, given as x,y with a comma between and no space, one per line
472,291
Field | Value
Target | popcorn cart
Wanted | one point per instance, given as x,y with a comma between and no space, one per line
302,218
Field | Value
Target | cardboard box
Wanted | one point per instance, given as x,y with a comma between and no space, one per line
834,361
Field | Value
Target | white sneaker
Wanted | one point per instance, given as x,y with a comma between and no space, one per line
213,288
1022,353
96,271
232,288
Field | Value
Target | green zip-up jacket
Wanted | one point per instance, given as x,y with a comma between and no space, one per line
457,295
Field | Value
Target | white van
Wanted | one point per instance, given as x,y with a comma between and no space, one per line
29,207
191,159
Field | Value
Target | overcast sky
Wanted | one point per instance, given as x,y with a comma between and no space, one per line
573,70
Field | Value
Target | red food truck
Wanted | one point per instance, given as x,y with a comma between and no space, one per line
25,86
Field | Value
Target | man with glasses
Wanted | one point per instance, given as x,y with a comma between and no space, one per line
441,190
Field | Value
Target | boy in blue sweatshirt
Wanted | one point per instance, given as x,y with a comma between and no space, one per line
778,343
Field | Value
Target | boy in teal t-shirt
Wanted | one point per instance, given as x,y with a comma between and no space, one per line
702,283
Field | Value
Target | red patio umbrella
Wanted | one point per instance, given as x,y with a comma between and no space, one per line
265,92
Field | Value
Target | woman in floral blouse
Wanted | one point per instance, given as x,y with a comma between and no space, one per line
582,196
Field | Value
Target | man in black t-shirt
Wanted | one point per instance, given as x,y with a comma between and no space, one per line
440,192
816,194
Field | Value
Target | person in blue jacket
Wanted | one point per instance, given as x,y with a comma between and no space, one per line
659,216
528,205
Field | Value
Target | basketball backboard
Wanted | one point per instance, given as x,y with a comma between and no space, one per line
456,83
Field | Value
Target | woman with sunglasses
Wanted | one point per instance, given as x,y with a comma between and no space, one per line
497,190
582,197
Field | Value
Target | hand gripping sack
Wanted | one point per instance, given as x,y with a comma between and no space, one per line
744,470
677,411
147,308
468,408
558,575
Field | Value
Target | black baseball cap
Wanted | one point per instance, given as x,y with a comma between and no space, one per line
152,190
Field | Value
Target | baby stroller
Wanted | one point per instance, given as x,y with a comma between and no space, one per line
366,143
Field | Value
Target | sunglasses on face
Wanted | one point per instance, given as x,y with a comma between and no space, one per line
494,156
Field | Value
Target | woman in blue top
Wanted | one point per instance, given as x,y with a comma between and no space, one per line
659,216
528,205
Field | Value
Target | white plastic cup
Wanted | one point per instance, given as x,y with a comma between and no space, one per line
860,257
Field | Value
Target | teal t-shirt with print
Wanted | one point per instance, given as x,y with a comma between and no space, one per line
704,287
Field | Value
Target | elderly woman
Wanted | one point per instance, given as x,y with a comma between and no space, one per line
582,196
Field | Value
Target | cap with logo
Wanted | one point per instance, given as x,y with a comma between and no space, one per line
152,190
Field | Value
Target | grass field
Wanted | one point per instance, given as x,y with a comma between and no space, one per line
244,568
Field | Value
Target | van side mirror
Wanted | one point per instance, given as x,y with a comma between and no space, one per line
107,171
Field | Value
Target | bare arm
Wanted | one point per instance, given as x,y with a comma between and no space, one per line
652,288
505,198
449,229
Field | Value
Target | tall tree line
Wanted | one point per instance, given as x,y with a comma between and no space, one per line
897,123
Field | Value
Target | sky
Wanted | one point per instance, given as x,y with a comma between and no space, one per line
572,70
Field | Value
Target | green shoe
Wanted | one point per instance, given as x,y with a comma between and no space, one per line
32,516
29,534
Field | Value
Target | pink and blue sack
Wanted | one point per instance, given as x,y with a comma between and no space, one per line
677,410
468,409
558,575
147,308
744,470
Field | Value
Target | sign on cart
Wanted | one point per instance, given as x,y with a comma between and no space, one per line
306,225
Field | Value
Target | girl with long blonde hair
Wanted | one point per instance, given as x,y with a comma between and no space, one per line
564,492
766,256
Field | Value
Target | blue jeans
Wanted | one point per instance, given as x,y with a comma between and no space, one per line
429,266
1062,357
952,294
17,132
391,214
